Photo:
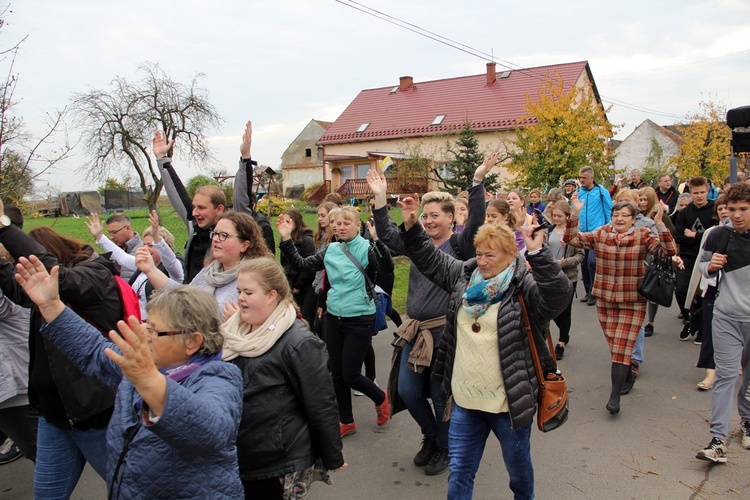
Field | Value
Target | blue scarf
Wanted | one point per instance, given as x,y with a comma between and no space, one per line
482,293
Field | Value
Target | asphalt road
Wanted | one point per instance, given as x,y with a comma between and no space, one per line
645,452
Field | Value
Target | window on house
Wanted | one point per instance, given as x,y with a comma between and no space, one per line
363,127
308,153
505,74
438,120
444,171
362,170
346,173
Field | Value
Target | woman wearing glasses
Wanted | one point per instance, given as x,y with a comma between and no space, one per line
178,406
235,237
620,250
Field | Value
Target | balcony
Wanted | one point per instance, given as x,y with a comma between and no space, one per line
358,188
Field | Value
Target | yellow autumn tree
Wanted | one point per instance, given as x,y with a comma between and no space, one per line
705,148
570,131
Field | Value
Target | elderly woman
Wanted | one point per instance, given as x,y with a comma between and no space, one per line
178,406
290,417
484,363
620,249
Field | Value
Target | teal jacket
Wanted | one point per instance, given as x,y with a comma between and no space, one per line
347,296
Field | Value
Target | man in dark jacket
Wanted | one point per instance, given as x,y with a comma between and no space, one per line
666,193
199,214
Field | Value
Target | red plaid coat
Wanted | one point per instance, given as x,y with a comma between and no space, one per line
619,258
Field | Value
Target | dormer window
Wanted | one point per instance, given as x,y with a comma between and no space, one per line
438,120
363,127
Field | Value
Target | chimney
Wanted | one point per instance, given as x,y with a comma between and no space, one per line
491,73
405,83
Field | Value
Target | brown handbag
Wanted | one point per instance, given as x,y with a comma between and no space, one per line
553,405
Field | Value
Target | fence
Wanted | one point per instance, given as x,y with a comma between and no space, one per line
123,200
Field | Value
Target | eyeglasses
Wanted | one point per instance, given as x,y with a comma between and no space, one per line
221,236
621,216
112,233
151,332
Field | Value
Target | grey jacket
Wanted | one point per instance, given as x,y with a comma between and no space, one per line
14,353
546,292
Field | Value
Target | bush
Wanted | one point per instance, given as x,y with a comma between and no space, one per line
278,206
199,181
308,190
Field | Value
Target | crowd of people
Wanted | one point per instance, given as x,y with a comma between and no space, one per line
216,372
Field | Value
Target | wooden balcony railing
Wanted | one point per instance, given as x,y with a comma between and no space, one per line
358,188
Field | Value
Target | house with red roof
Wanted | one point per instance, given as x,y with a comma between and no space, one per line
411,116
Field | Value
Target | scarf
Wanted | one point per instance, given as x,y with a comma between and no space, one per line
240,341
216,277
482,293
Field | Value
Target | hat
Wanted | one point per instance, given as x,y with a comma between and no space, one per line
570,181
15,215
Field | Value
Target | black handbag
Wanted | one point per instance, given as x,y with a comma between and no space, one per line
658,281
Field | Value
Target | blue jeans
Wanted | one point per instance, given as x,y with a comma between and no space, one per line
61,455
588,270
467,437
637,354
411,388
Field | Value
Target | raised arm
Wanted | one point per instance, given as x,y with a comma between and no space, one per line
242,187
312,263
572,235
386,231
176,192
438,267
477,208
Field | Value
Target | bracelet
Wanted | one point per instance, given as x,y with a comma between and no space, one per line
478,181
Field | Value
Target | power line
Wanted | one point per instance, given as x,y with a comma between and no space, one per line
478,53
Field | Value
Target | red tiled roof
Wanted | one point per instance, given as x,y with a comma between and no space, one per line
409,113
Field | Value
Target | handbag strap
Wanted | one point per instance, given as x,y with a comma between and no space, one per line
532,345
370,286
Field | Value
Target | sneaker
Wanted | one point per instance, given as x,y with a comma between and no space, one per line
559,352
648,329
680,316
715,452
745,434
685,333
698,338
346,429
438,464
586,297
591,301
428,449
9,452
383,410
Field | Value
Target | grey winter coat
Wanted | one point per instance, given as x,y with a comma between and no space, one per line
546,291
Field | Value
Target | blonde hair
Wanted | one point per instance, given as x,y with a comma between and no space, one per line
627,195
444,199
650,194
500,237
270,276
163,232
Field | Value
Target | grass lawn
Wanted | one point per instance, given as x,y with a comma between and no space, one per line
77,228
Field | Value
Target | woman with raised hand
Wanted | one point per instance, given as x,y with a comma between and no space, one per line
178,406
289,435
484,363
621,249
235,237
350,310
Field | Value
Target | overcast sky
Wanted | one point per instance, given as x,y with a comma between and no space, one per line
282,63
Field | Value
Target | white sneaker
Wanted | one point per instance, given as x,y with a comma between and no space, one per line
745,426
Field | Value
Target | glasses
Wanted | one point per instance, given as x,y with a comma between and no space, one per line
621,216
112,233
221,236
153,333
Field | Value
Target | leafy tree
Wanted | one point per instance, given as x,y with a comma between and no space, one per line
113,185
466,158
570,132
118,125
199,181
24,158
705,147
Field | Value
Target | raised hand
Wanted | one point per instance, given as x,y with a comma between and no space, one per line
40,286
284,227
576,204
372,230
247,140
160,144
95,226
409,210
230,307
144,261
377,182
136,360
153,218
489,162
534,239
658,217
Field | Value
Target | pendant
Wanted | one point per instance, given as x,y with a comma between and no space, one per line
475,327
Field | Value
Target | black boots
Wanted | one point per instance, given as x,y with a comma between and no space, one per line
629,382
619,376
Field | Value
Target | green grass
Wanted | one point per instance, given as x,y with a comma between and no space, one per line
76,228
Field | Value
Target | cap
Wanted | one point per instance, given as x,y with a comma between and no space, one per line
570,181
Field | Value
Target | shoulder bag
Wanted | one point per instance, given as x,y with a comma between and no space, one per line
382,299
658,281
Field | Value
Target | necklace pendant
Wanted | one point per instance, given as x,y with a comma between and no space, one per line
475,327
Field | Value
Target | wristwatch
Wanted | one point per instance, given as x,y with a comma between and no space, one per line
4,221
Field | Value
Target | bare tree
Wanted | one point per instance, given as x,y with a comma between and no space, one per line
118,124
24,158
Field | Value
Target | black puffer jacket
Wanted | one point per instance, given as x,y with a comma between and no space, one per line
546,291
65,396
289,416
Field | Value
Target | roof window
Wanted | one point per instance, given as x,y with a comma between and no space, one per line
438,120
363,127
505,74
